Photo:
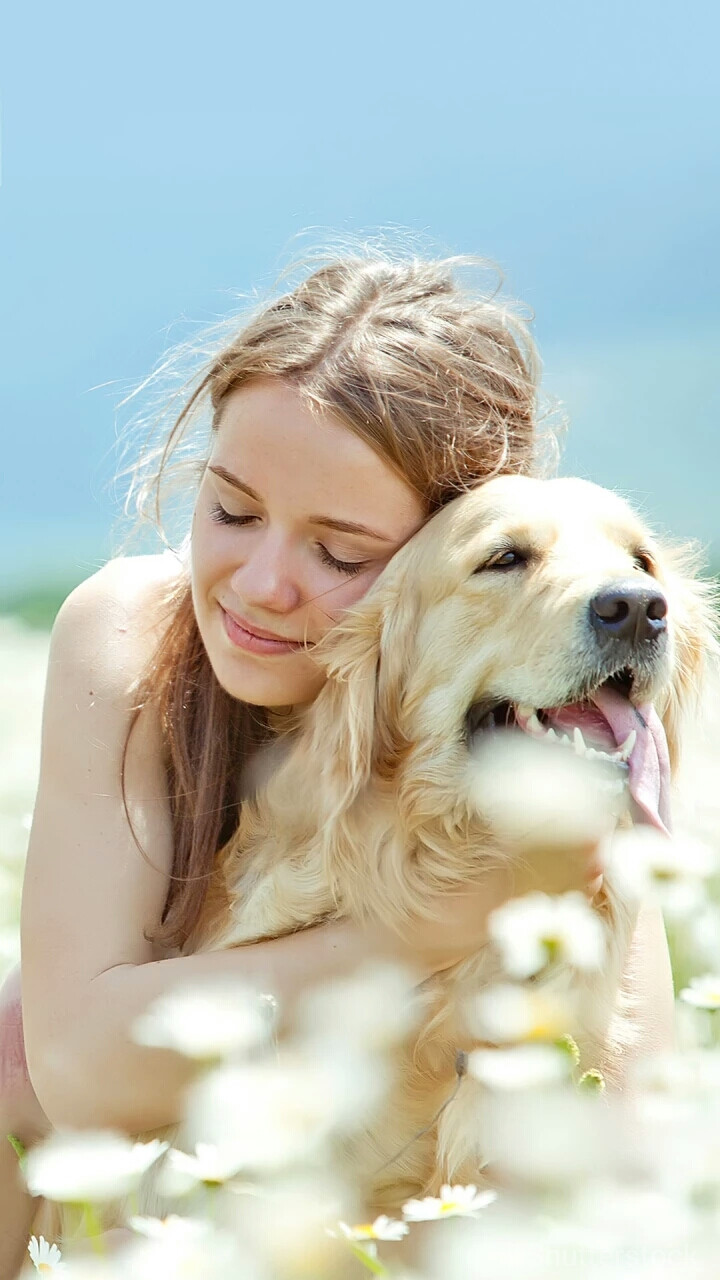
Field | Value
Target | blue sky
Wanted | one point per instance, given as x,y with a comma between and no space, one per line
155,160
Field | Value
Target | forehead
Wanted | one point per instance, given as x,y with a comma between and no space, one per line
303,461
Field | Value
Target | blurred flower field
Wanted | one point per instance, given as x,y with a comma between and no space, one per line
593,1191
23,663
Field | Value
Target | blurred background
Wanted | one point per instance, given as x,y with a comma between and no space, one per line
157,161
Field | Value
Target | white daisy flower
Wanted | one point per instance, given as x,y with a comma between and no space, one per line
703,992
691,1073
210,1165
521,1067
206,1021
533,931
383,1228
202,1253
703,930
45,1257
89,1167
453,1202
266,1115
373,1008
607,1219
506,1013
539,798
672,872
549,1136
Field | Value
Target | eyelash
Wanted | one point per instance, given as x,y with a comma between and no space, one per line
222,516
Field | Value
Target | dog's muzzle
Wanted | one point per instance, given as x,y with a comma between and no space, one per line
630,613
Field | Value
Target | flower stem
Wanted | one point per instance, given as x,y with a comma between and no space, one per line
16,1145
211,1200
372,1264
93,1228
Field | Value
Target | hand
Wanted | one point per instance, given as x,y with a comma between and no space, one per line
456,924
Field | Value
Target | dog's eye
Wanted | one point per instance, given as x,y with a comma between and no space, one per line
644,562
509,559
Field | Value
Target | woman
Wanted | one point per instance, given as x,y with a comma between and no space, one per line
342,415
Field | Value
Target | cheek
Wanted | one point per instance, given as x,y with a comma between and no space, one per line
331,603
206,547
204,570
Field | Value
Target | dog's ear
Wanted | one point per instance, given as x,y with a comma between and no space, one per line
357,715
694,604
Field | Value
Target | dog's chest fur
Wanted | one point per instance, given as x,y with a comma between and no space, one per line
279,875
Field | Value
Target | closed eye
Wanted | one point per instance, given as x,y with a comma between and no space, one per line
224,517
349,567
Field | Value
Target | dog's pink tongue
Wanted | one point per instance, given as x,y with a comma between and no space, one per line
649,762
607,723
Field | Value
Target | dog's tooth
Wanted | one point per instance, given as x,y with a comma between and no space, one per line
579,742
551,734
525,711
625,751
534,724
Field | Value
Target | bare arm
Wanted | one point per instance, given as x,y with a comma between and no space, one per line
89,895
647,978
110,1080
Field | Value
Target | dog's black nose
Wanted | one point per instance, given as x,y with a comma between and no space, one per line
629,611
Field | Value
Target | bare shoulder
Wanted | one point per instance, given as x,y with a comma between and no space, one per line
109,624
102,641
126,586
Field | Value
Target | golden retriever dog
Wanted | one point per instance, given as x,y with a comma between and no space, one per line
547,606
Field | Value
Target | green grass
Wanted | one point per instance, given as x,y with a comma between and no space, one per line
37,606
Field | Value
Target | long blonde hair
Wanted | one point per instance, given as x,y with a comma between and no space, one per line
441,381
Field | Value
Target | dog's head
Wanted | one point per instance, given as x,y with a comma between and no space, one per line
547,605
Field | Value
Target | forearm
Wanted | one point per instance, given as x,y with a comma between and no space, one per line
96,1075
91,1073
648,981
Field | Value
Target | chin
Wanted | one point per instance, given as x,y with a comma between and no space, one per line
264,683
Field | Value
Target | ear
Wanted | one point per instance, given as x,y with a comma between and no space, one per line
357,717
694,603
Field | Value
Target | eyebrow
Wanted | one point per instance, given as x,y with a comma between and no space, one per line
329,522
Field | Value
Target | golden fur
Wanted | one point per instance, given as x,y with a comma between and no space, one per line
373,811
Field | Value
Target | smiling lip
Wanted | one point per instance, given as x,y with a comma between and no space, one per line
247,637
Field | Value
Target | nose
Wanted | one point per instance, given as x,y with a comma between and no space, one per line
629,611
264,579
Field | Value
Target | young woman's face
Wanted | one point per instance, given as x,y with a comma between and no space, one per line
295,518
